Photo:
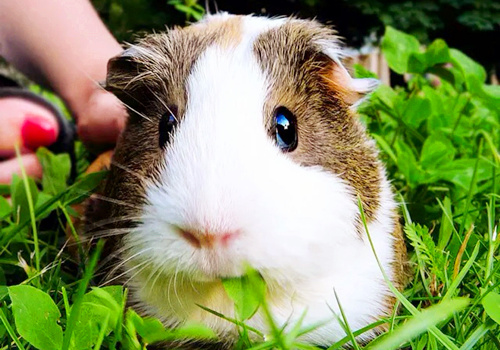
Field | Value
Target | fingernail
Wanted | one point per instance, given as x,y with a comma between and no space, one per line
37,132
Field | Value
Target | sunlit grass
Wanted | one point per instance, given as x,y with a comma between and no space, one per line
440,146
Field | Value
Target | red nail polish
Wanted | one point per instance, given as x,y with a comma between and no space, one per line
37,132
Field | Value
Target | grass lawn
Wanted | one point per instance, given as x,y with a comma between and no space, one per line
439,137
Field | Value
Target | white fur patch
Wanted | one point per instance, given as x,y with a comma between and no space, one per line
296,225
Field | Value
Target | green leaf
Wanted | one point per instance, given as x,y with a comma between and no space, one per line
460,172
56,170
436,151
4,190
419,324
4,291
362,72
444,73
96,306
407,164
5,208
44,206
385,147
420,238
436,100
19,197
397,48
83,187
417,63
446,227
417,110
491,304
193,330
474,73
131,339
493,91
36,315
152,330
386,95
247,292
437,53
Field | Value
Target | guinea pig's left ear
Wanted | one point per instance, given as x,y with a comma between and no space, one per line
352,90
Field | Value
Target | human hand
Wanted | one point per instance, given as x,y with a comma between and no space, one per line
28,125
63,44
100,117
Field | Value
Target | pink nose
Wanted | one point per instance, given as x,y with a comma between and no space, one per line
207,239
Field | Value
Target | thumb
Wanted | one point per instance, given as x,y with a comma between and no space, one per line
102,119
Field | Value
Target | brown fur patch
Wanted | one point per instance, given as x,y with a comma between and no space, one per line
150,80
330,134
229,30
400,272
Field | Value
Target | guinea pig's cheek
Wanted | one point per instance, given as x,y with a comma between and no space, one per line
302,221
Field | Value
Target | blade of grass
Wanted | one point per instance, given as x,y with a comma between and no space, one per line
75,311
345,324
32,211
458,259
406,303
419,324
102,332
471,191
277,333
9,329
270,344
294,332
66,302
478,334
457,280
72,229
344,340
12,233
232,320
492,237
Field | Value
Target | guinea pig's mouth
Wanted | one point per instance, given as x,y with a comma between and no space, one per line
209,267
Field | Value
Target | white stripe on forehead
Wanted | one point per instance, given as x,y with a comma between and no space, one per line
223,130
227,81
254,26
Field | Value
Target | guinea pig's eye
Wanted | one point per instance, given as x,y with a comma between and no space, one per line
286,129
168,122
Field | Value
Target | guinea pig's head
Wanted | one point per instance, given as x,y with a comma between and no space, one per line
242,148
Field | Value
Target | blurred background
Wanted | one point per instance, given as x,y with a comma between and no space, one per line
472,26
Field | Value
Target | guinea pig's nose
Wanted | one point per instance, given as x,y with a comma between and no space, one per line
207,239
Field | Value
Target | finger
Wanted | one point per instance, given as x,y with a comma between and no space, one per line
25,124
102,120
11,166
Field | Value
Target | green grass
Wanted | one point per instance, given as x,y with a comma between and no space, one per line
440,145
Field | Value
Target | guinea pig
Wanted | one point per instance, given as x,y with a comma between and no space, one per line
243,148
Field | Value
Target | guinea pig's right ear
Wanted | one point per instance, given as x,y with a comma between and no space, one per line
121,69
121,78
